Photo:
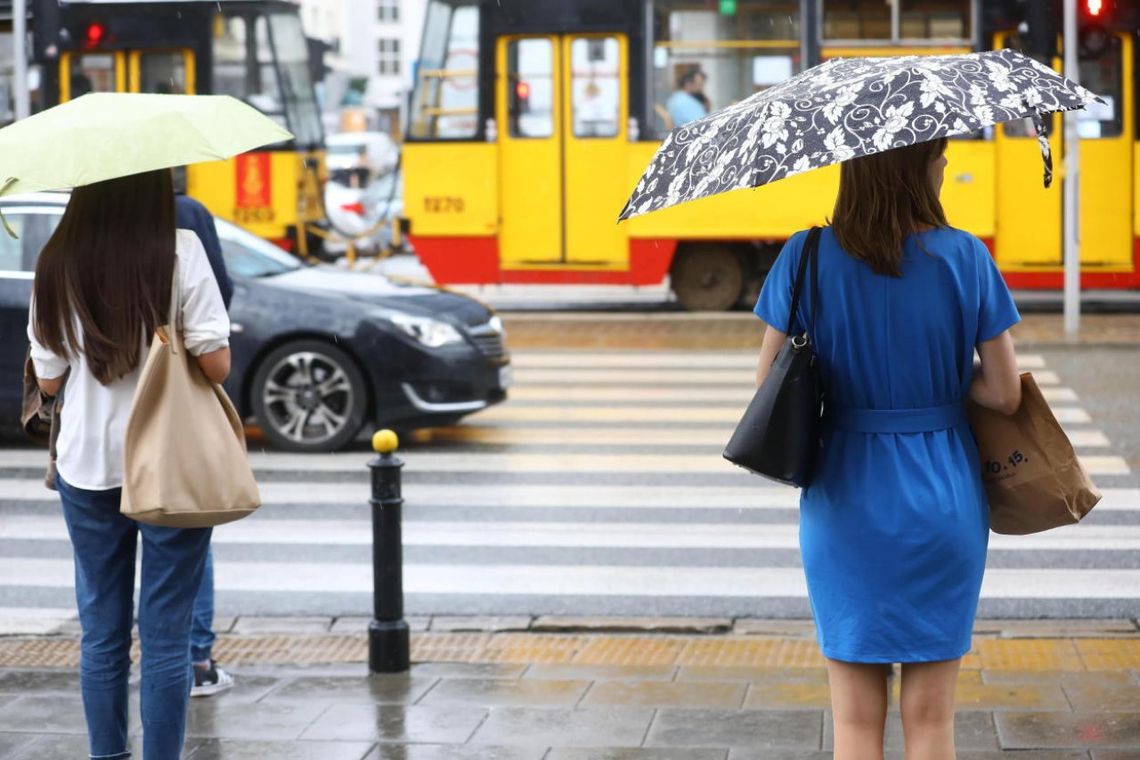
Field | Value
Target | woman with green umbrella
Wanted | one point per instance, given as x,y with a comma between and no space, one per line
103,283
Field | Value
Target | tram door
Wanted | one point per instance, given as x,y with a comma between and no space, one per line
1029,218
562,111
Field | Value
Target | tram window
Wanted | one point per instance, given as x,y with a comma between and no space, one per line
1102,75
739,54
162,73
530,77
916,20
445,104
92,73
230,56
595,87
299,99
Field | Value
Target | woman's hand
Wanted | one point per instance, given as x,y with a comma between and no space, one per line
215,365
769,347
997,382
50,387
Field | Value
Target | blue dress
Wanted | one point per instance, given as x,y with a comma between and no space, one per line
894,526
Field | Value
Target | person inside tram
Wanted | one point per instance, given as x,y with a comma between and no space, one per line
688,102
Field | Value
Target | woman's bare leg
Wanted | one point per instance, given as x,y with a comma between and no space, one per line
858,708
927,703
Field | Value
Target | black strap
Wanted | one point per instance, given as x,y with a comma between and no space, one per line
810,250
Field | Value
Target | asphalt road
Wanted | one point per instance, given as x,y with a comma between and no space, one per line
598,489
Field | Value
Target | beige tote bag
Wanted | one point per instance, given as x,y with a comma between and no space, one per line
184,459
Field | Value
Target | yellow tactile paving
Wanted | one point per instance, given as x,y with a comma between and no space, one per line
787,653
1029,654
633,650
722,653
529,436
1109,654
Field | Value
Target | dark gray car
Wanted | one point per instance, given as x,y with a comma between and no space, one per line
317,351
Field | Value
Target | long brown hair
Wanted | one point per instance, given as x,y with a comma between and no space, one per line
883,198
108,266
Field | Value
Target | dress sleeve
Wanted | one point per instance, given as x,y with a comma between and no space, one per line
48,364
996,309
205,325
776,295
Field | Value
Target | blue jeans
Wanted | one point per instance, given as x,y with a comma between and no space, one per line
202,622
104,543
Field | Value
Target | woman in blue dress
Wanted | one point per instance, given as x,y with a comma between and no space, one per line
894,526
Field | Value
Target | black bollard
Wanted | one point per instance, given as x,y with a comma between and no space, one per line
389,650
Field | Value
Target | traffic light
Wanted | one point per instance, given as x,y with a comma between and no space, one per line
94,35
522,97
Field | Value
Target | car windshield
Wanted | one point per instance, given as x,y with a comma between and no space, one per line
247,255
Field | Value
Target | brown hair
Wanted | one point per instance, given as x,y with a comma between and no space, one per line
108,266
883,198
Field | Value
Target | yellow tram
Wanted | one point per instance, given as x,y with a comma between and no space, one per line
254,50
531,121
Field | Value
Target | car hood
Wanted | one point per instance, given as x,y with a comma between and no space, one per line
377,290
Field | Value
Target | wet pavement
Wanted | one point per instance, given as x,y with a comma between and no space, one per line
1056,690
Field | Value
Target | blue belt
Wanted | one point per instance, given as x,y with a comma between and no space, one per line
921,420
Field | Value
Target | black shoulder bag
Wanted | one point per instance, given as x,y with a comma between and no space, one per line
778,436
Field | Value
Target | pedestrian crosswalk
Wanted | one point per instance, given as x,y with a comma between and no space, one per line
598,488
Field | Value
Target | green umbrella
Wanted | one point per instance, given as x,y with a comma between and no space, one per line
105,135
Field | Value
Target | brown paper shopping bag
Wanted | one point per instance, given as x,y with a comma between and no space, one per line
1033,478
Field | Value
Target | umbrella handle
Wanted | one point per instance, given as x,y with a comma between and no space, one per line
3,189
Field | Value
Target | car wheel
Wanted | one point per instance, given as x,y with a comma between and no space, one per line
309,396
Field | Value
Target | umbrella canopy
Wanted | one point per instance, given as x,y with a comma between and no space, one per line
106,135
846,108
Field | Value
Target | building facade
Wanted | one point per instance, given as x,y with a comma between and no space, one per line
376,43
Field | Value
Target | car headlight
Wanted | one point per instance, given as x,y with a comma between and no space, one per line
430,332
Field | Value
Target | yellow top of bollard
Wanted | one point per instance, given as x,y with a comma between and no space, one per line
384,441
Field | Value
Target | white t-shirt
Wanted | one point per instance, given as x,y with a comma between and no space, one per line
94,419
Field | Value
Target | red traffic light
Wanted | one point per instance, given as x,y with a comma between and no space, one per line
96,33
522,90
1094,7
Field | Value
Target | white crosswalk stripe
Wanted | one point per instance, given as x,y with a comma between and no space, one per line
599,489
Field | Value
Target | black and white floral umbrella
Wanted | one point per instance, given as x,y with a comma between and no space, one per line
850,107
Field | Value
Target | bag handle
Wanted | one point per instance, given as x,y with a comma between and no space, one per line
175,307
810,251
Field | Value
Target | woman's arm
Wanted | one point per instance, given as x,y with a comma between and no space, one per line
215,365
997,382
769,347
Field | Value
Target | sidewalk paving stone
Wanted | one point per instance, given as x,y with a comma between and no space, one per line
454,752
1111,754
1035,730
783,628
1122,678
1103,697
21,681
56,714
735,728
468,670
61,747
258,626
1019,696
237,749
603,672
693,695
626,753
719,673
363,688
973,730
397,723
613,727
455,624
276,721
354,625
555,623
499,693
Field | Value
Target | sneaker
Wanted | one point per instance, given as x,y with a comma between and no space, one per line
210,680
